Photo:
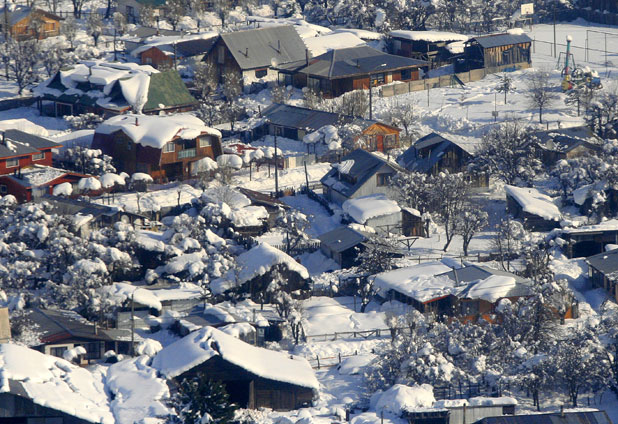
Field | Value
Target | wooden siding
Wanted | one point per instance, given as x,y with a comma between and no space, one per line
229,63
25,161
21,29
506,55
250,391
155,57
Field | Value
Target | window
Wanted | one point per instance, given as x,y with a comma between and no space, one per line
187,153
169,147
3,189
38,156
148,60
313,84
221,55
396,46
57,351
406,74
377,79
390,141
260,73
204,141
383,179
12,163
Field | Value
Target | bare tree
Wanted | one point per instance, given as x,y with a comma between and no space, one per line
37,25
404,116
311,99
602,114
147,16
120,22
505,85
353,103
448,195
232,85
540,94
280,94
94,24
472,219
24,55
205,78
176,10
69,30
77,8
508,241
581,96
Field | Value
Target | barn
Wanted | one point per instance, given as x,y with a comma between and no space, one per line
490,51
537,210
254,377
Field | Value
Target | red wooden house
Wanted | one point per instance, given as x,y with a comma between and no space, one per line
165,147
19,149
36,181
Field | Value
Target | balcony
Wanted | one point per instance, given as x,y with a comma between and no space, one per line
187,153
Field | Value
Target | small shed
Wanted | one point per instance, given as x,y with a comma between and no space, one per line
376,211
430,46
342,245
254,377
567,143
537,210
412,224
19,21
589,240
602,271
491,51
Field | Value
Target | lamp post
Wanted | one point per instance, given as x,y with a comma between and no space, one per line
276,169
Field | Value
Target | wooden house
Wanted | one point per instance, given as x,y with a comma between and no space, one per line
132,9
296,122
537,210
273,206
165,147
342,70
602,271
434,154
412,223
343,244
63,330
491,51
251,54
186,51
42,389
254,377
375,211
430,46
25,22
19,149
111,89
589,240
36,181
566,143
360,173
141,35
257,266
558,417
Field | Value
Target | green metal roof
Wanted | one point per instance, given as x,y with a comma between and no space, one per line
167,88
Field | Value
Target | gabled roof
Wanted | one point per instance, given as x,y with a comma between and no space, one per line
438,144
31,140
587,417
40,175
342,238
167,90
21,12
264,47
55,325
262,199
308,119
566,139
496,40
200,346
534,202
364,165
361,60
471,273
606,262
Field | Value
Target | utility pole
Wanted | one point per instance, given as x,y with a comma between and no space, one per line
115,51
555,54
133,323
370,99
276,169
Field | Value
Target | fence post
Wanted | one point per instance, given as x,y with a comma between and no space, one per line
339,357
318,359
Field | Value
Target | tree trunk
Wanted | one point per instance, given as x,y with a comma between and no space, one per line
541,114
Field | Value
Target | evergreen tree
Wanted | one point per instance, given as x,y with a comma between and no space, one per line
202,400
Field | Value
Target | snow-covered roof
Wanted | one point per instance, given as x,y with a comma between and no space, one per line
155,131
419,282
534,202
491,288
202,345
249,216
124,291
182,292
138,392
38,175
320,45
363,34
475,401
165,43
431,36
258,261
362,209
399,399
53,383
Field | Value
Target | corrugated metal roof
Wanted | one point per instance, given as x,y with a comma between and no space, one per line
341,239
189,48
30,139
495,40
588,417
309,119
606,262
264,47
411,160
361,60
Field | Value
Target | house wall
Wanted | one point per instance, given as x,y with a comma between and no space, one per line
13,407
386,223
21,30
380,138
228,64
25,161
155,57
506,55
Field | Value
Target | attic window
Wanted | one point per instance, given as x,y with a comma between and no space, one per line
169,147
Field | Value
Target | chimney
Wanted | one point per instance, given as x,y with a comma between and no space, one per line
279,46
246,51
136,121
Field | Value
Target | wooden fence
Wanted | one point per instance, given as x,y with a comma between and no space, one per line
7,104
447,80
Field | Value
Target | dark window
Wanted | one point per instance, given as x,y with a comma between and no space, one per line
3,189
406,74
383,179
93,350
57,351
260,73
377,79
